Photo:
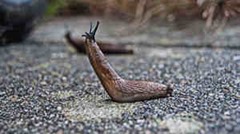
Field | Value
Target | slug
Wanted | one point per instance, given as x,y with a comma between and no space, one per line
119,89
107,48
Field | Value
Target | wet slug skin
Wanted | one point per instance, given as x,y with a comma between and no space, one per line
119,89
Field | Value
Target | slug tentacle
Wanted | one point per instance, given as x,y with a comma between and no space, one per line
106,47
119,89
91,34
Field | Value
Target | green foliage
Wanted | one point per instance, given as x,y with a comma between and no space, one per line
54,6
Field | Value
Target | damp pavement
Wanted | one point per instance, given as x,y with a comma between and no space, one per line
46,87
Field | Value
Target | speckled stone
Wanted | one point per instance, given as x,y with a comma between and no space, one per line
45,88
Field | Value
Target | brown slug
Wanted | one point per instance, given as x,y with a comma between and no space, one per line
119,89
107,48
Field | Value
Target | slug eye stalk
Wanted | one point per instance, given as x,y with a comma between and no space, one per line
119,89
91,34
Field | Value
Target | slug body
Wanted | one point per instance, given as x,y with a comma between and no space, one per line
106,48
119,89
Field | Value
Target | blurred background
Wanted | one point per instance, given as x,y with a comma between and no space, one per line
143,11
125,9
215,13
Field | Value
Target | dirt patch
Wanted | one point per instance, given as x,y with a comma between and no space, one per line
183,123
93,107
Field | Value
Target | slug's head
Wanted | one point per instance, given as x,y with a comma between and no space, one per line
91,34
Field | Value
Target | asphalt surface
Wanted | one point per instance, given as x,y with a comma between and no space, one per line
48,88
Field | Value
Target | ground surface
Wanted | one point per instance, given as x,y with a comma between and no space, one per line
46,87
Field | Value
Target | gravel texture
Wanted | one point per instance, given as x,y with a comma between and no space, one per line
47,88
